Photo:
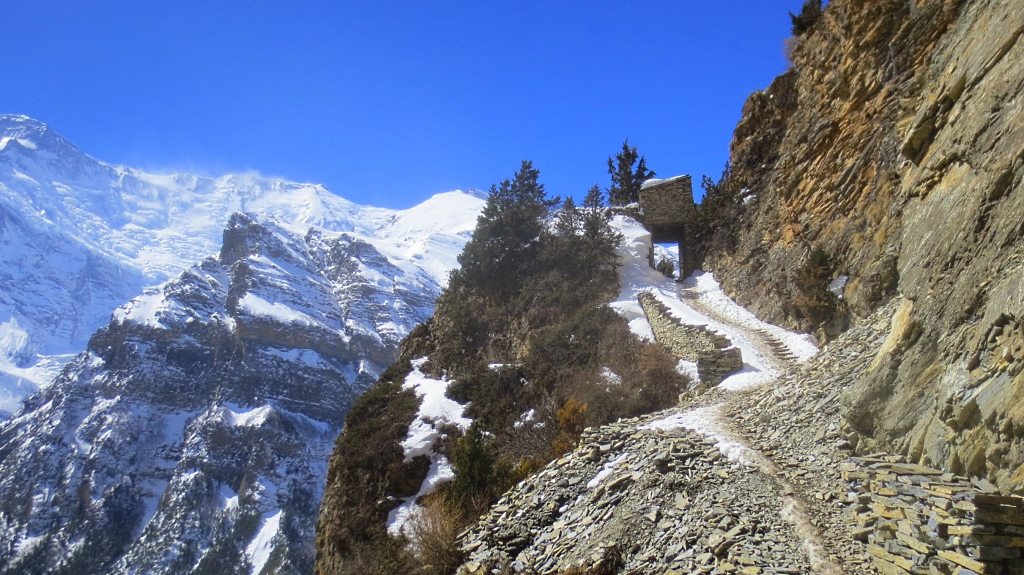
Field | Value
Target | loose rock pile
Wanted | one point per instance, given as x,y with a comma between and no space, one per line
920,520
714,355
633,500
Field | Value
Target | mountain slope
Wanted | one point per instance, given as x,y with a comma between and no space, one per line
192,433
80,237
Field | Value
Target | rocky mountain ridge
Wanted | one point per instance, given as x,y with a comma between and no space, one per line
81,237
192,433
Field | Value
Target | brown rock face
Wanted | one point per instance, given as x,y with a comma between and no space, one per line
896,142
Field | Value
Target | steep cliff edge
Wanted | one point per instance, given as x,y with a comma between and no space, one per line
895,143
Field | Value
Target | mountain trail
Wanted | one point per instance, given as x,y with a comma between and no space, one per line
712,421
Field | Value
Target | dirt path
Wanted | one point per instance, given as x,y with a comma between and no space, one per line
711,420
772,350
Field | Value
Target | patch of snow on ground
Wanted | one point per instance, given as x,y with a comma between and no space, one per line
440,472
436,410
525,418
258,550
607,470
705,421
689,369
610,376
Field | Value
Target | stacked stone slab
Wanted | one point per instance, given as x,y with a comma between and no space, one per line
919,520
714,355
636,500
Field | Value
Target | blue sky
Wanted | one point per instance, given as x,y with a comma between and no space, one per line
387,103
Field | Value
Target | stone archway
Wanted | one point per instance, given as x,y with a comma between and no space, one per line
669,213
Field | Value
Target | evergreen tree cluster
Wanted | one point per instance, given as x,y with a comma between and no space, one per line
626,180
718,215
809,14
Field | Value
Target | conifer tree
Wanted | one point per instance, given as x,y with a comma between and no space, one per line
505,241
626,181
810,12
594,198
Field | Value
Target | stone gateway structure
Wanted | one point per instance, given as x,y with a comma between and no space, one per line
670,215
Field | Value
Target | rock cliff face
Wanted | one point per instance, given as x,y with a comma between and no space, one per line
193,434
896,142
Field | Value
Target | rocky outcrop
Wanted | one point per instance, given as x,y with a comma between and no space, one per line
920,520
895,143
714,354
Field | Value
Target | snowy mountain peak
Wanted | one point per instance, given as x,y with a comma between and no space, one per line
79,237
19,131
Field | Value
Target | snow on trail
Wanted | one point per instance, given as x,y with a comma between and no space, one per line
735,322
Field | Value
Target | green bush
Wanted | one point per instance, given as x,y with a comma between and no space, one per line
667,267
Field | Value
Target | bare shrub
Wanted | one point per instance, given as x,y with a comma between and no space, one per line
432,531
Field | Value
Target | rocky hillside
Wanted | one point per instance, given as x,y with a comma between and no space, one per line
895,145
192,435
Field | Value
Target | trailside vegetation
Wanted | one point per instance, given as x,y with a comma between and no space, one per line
535,353
719,215
809,14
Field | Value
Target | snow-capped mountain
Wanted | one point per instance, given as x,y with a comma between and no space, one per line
192,434
79,237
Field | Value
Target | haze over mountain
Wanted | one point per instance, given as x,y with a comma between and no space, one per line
80,237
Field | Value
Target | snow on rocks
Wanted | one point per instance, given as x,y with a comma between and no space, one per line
436,412
89,236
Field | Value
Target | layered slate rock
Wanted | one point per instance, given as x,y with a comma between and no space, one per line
919,520
894,143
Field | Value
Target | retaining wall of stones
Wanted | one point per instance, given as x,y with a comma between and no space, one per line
919,520
714,355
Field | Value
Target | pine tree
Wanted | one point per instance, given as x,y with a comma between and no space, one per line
594,199
568,221
810,12
505,240
626,182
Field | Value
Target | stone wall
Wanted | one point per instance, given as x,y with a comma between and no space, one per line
920,520
668,202
714,355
